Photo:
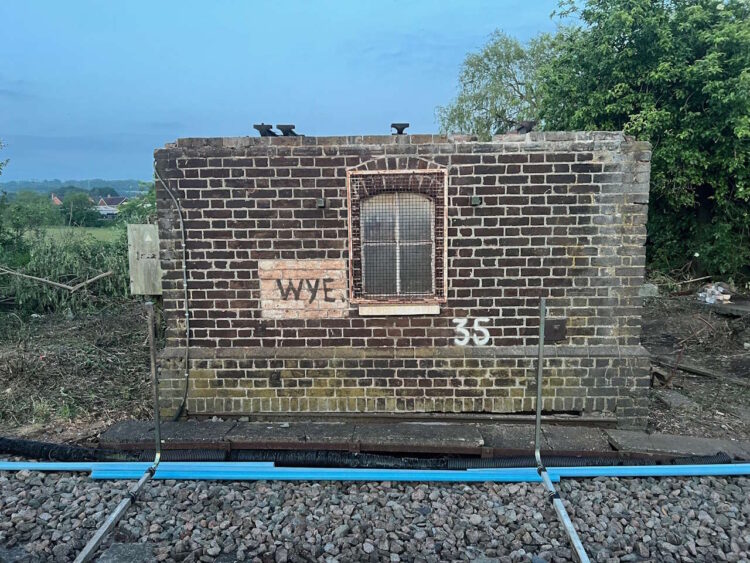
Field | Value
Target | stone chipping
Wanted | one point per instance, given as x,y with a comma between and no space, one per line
49,517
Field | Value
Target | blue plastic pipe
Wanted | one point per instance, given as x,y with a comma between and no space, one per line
133,466
653,470
231,473
251,471
85,466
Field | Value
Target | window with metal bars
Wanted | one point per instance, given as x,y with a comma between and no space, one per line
397,227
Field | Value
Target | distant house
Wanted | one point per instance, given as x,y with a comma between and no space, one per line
108,207
55,200
114,201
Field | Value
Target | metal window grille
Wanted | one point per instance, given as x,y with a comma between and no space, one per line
397,227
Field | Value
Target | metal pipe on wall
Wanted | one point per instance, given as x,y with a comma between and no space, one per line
155,381
554,496
183,404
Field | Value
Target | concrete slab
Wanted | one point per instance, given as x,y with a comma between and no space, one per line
130,434
508,436
196,431
419,437
330,435
128,553
291,435
675,400
404,437
267,435
127,432
575,439
670,444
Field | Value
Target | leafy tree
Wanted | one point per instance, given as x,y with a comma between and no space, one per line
38,208
25,212
78,210
675,73
498,87
141,209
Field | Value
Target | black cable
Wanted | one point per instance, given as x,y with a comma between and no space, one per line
61,452
183,404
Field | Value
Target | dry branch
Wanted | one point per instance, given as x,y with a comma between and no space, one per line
693,280
71,288
667,363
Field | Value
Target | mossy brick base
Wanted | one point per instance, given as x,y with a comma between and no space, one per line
407,380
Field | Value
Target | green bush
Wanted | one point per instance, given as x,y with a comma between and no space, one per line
78,210
71,259
141,209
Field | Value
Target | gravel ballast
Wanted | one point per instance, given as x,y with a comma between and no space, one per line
50,516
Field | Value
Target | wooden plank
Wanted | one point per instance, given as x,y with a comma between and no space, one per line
732,309
143,257
697,370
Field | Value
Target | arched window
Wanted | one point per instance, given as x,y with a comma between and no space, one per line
398,245
397,230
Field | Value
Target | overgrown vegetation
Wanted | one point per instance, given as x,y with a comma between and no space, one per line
70,259
140,209
40,239
673,72
91,368
68,355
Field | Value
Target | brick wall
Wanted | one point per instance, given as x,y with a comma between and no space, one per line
561,215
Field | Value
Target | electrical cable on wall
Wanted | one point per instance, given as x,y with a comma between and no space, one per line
183,404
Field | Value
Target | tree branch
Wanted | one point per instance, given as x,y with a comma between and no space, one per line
71,288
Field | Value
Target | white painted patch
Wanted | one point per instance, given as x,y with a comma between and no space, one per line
401,309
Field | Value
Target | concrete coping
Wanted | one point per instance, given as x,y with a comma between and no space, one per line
416,139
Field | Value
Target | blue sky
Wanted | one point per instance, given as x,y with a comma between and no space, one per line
89,88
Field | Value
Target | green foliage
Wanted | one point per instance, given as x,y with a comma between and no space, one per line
677,74
140,209
498,87
78,210
25,213
672,72
29,210
56,368
70,259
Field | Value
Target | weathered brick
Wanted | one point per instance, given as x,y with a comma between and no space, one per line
560,215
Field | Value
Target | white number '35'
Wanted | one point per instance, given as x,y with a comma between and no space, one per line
480,336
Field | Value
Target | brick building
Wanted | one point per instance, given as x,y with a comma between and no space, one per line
402,274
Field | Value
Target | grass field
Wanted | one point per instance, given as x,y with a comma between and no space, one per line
106,234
